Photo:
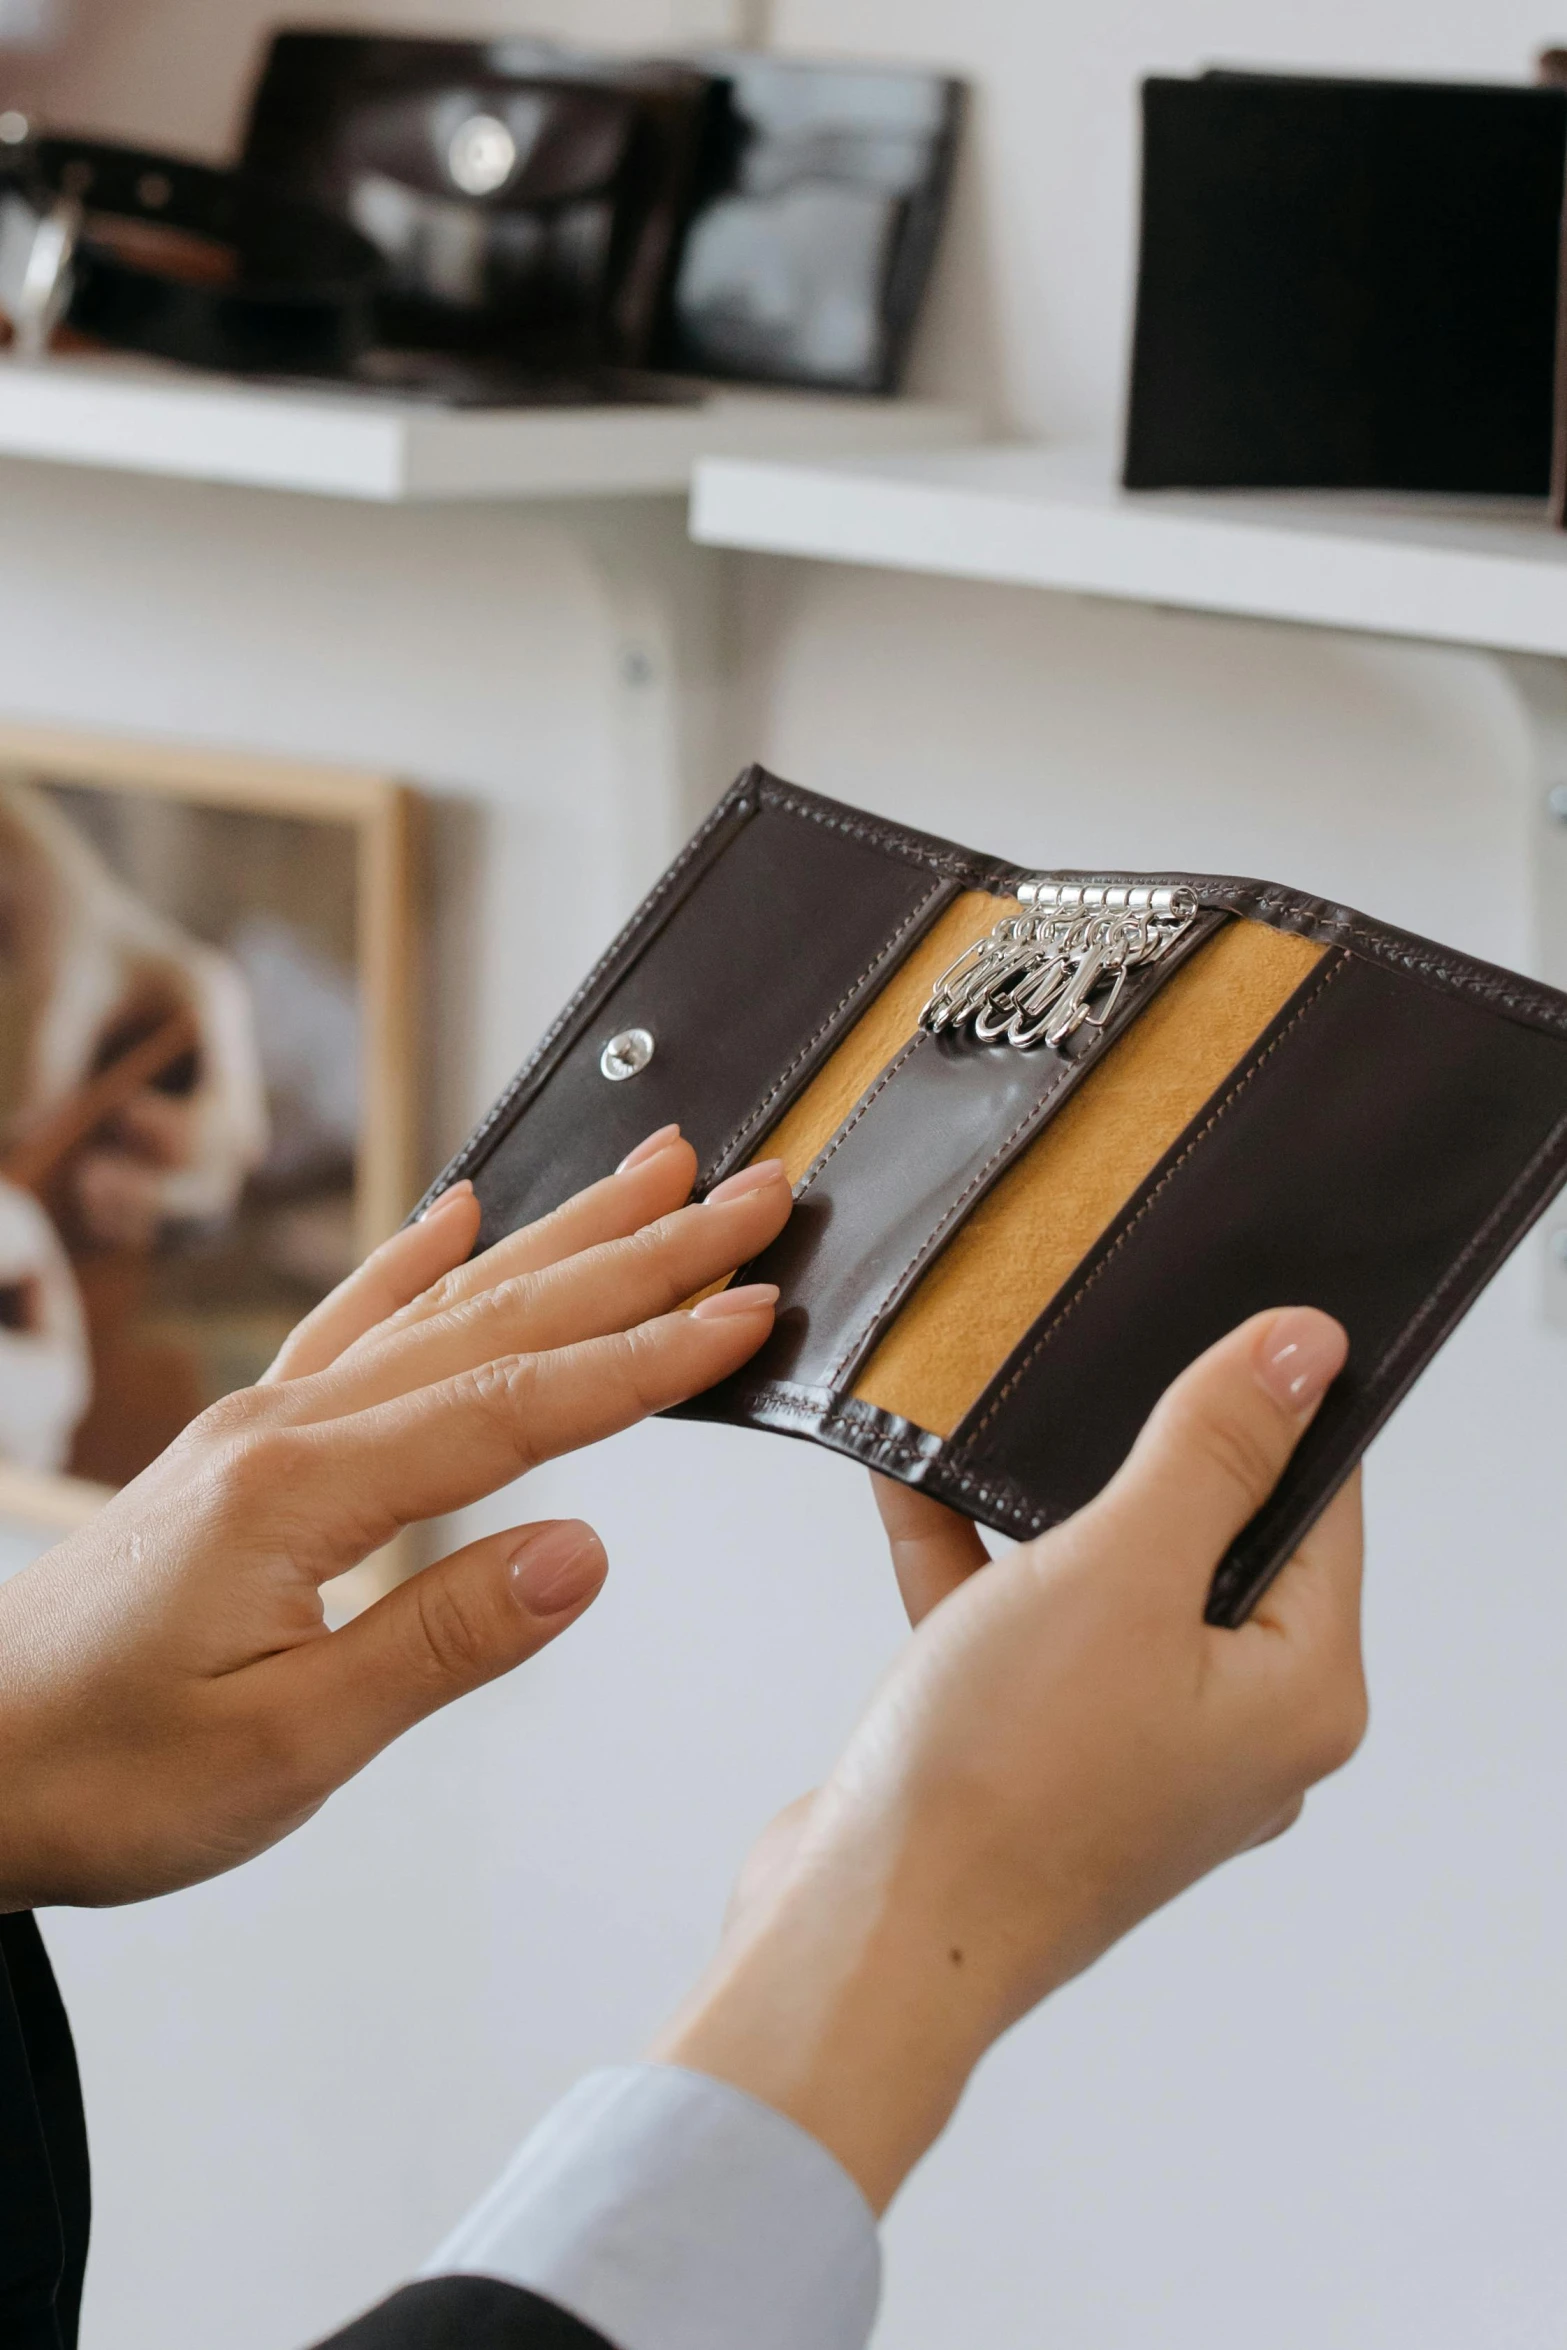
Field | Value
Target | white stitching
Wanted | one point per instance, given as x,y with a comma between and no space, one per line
1163,1184
781,1082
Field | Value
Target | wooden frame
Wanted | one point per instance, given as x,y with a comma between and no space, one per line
380,813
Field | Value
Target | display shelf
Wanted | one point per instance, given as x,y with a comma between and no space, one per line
145,418
1458,572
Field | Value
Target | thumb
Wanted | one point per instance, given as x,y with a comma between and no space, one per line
933,1549
462,1622
1218,1441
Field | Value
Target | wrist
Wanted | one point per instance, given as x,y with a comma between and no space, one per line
853,2012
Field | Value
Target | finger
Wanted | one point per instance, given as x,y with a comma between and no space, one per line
388,1279
601,1290
1217,1443
462,1622
933,1548
1317,1597
358,1480
639,1191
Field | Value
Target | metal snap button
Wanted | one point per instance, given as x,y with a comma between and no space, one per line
482,155
626,1055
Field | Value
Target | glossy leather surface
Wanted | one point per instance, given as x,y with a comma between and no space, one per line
745,975
1378,1156
225,272
930,1138
816,221
565,259
1378,1151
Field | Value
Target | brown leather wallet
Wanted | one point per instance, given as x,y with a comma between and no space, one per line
1050,1135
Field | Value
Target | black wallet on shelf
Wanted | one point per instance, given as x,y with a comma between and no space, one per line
1050,1135
527,200
1347,285
732,215
817,215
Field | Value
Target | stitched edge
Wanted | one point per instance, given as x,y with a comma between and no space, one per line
1166,1179
1421,958
863,1430
879,832
781,1083
1000,1497
1487,983
892,1291
1383,1389
865,1423
857,1113
732,804
1444,971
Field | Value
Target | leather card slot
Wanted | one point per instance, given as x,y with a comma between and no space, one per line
880,1033
913,1159
742,983
1022,1243
1377,1154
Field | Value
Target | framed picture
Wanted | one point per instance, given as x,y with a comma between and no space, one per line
205,1084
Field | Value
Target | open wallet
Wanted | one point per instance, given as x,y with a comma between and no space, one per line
1050,1135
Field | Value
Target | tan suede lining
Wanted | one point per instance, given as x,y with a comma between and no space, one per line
1022,1242
879,1033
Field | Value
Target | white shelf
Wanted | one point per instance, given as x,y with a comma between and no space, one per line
1458,572
143,418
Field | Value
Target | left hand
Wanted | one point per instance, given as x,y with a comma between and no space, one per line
171,1699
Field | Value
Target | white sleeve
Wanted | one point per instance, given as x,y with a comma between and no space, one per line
670,2211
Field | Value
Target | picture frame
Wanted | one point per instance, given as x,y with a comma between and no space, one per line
207,1057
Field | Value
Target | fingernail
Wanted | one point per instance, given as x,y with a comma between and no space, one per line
725,1302
449,1198
649,1149
749,1179
1300,1358
555,1567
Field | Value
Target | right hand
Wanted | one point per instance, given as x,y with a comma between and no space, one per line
1063,1747
171,1698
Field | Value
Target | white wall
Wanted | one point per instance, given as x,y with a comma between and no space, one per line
1325,2098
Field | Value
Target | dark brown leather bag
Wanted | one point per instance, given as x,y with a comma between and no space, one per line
1136,1109
527,200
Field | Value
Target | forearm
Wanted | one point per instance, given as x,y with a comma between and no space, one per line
855,2013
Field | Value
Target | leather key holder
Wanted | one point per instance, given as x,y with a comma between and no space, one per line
158,254
1050,1136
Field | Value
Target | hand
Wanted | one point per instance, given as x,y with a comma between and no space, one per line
1063,1747
171,1700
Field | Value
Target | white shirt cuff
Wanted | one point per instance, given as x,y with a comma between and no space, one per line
670,2211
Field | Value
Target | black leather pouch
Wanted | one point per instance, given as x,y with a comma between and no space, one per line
527,200
1050,1135
1346,285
